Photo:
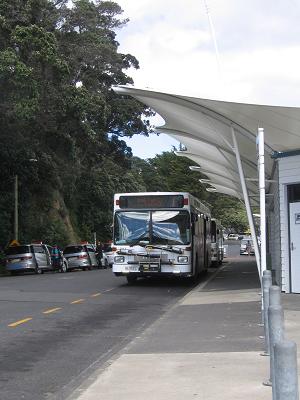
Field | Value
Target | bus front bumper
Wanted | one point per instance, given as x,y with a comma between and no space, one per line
152,269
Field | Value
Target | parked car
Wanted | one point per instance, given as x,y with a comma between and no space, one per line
82,256
35,257
225,250
247,247
233,236
108,255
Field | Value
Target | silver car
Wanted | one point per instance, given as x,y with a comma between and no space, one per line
81,256
31,257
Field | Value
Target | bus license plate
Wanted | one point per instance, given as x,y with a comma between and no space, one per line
149,267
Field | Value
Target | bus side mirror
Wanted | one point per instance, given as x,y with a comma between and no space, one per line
194,218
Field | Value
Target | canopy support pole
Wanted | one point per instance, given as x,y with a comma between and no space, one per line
246,199
262,199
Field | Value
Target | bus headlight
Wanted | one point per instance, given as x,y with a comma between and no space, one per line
119,259
182,259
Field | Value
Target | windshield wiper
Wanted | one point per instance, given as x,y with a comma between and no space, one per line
167,248
137,241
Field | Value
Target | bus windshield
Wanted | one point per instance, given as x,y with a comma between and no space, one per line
152,227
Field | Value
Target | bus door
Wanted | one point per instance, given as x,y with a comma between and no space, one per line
205,259
198,243
195,242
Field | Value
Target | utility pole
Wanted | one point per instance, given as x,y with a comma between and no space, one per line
16,219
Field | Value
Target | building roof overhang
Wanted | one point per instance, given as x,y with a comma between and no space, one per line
205,126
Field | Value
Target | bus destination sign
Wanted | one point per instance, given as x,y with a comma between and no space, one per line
145,202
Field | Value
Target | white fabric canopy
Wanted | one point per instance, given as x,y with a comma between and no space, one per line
205,128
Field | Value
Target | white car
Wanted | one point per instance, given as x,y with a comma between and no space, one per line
108,255
233,236
247,247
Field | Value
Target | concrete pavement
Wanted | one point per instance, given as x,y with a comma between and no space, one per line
206,347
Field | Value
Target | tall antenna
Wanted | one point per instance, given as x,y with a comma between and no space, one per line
213,35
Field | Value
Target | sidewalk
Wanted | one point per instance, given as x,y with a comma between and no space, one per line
207,347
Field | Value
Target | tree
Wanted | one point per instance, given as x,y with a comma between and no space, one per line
57,67
168,172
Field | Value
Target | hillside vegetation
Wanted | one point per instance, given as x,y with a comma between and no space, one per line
57,67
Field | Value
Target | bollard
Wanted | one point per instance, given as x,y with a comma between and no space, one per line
267,272
275,296
266,284
275,318
285,369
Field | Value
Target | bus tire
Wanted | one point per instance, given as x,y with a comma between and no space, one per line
131,279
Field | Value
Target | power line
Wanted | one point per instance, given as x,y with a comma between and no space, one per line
213,35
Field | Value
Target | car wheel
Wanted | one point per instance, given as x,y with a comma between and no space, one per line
39,271
14,273
64,268
106,264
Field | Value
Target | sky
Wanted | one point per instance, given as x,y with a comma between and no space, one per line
236,50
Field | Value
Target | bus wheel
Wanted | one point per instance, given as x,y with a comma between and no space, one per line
131,279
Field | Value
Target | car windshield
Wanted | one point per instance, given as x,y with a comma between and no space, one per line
73,249
152,227
10,251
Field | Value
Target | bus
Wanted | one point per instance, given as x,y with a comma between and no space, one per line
217,246
160,233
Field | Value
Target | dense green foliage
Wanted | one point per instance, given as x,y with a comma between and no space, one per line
61,124
57,67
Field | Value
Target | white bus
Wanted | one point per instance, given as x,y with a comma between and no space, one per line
160,233
217,246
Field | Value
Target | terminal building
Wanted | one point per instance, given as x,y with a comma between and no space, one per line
223,140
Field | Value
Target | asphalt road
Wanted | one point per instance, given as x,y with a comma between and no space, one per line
56,329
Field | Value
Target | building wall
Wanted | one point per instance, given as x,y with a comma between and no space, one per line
273,215
289,173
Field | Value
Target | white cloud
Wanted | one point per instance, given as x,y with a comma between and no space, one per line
258,41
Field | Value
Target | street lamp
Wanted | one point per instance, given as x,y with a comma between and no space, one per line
16,196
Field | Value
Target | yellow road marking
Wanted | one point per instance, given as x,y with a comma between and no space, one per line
51,310
21,321
77,301
95,294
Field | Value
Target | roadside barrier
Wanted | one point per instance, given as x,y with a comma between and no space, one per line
283,353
